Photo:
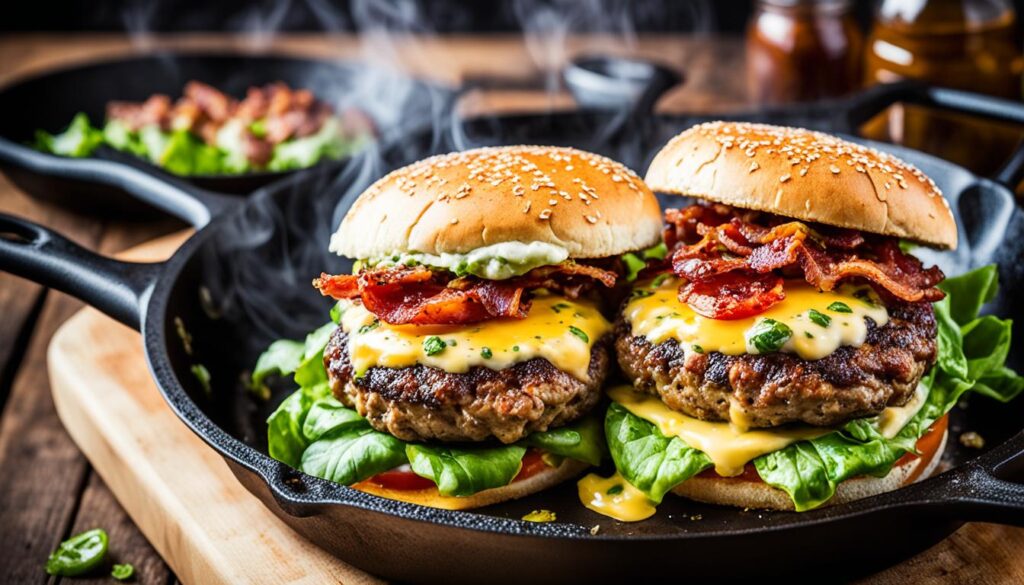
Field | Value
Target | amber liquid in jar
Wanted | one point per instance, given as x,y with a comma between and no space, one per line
801,50
952,43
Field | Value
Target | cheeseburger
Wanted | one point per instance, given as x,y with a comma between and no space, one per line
470,343
781,357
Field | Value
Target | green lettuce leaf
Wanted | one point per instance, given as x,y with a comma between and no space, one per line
327,415
80,139
650,461
300,153
352,452
637,262
281,358
311,370
185,154
285,439
466,471
119,136
583,440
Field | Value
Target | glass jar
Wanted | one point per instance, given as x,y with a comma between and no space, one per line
802,50
962,44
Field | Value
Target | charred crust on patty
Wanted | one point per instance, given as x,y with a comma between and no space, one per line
421,403
778,388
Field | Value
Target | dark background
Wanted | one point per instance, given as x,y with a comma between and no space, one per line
442,16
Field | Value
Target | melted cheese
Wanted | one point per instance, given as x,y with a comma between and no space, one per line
660,316
614,497
728,447
556,329
892,420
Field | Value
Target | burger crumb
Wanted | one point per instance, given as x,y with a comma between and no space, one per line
972,440
595,529
540,516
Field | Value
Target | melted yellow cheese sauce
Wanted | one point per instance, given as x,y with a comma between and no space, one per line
892,420
614,497
657,314
728,447
556,329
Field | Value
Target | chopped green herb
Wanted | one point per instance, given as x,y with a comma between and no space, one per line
769,335
486,353
840,307
452,343
640,293
819,318
122,572
698,348
370,327
433,345
808,335
579,333
557,307
615,490
515,348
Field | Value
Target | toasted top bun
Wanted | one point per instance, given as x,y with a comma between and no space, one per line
590,205
806,175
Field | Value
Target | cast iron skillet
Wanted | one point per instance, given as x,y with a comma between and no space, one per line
397,104
243,279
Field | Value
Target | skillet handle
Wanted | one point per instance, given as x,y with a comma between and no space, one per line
983,490
119,289
871,102
176,197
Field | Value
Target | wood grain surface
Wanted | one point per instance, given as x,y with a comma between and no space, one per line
48,490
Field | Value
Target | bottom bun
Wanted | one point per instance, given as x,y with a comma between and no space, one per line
537,482
744,493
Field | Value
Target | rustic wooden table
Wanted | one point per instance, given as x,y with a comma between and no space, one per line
47,489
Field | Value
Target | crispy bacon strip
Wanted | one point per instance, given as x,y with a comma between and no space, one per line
732,295
734,250
422,296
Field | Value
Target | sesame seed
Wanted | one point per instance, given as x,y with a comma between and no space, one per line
834,169
455,220
527,208
591,218
784,178
803,172
545,214
754,166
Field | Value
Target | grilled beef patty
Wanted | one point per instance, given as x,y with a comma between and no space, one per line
773,389
421,403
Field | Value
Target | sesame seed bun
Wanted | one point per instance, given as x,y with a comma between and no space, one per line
540,481
761,496
590,205
806,175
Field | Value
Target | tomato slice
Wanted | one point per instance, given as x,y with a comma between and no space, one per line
732,295
407,480
403,480
533,463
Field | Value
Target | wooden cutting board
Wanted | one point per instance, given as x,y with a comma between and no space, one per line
210,530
